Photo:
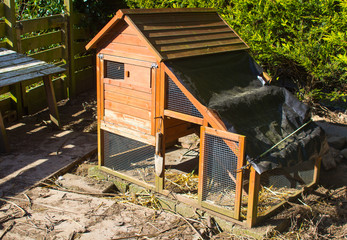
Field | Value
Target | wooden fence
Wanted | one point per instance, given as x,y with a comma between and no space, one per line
58,39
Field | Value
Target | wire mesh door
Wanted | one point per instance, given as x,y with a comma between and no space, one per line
220,174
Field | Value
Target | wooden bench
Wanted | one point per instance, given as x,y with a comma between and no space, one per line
16,68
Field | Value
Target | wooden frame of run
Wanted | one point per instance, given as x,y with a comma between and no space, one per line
226,136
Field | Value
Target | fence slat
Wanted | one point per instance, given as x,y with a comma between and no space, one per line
84,61
2,28
2,9
43,40
79,47
49,55
3,44
84,80
37,24
81,33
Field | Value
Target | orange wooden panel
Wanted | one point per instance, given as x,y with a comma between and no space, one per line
139,76
224,134
135,50
176,132
124,84
128,100
182,116
128,92
136,62
128,39
132,55
129,119
171,122
125,124
132,111
129,133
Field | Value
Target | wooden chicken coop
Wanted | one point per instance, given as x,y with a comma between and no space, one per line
168,75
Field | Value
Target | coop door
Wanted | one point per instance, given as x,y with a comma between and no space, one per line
221,159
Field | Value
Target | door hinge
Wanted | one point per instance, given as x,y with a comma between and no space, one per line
101,56
154,65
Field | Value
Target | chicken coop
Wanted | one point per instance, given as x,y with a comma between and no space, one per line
184,110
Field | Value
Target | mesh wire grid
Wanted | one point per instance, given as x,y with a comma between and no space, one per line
279,184
129,157
219,183
114,70
178,102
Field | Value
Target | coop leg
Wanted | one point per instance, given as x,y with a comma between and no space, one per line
253,196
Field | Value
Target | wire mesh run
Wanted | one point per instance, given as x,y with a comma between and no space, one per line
129,157
220,165
178,102
279,184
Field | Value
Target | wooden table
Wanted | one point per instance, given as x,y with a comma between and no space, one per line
16,68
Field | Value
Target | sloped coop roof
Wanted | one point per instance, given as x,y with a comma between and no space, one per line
177,33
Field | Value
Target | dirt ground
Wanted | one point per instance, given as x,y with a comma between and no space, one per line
55,212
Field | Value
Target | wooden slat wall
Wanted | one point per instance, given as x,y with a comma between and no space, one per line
127,106
43,40
128,102
2,28
38,24
2,10
124,41
82,62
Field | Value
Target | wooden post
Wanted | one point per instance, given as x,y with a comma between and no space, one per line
239,178
71,55
4,146
52,104
160,121
66,37
253,195
100,107
201,164
12,41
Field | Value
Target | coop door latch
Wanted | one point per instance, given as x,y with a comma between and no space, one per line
158,157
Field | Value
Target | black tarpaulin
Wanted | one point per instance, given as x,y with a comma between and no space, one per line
231,84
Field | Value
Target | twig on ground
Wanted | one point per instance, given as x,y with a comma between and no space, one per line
29,199
7,201
58,188
181,216
148,235
9,227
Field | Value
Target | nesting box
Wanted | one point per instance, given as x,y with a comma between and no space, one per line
178,95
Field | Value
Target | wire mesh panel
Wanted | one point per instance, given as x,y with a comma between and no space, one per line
221,181
279,184
178,102
114,70
129,157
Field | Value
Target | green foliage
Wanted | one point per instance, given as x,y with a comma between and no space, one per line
299,40
28,9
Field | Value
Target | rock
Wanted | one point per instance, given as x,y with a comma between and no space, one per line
337,142
328,160
344,153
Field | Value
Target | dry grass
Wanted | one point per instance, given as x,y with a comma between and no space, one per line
320,215
183,183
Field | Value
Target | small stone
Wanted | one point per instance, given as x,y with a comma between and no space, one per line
328,160
344,153
337,142
119,223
